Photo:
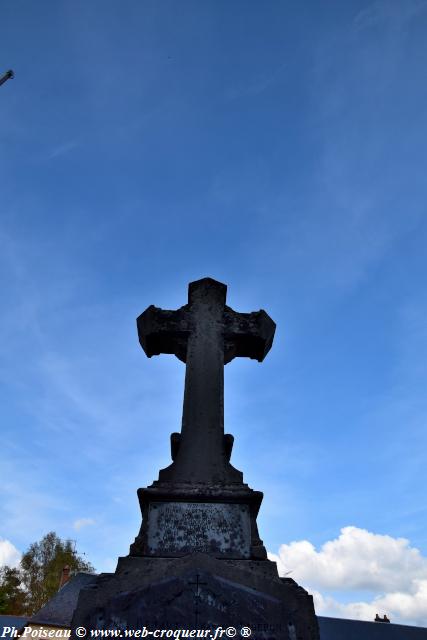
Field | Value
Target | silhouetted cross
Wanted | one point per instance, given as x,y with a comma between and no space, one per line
205,334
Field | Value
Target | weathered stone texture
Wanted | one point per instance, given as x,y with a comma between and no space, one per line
183,527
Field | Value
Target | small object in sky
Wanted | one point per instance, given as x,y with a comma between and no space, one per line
6,76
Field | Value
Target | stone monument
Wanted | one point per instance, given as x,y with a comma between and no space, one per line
198,561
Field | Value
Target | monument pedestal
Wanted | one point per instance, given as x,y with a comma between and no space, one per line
198,561
180,519
198,591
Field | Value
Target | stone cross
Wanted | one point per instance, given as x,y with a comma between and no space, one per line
205,334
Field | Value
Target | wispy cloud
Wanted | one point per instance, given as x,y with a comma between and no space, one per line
62,149
83,522
23,483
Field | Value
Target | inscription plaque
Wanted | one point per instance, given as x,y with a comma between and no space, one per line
176,528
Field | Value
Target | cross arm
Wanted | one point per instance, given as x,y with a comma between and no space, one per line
163,331
247,334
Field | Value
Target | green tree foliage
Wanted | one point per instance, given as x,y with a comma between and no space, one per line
13,598
27,589
42,567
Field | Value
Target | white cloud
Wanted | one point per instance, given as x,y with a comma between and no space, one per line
9,555
328,606
82,522
357,559
389,568
400,607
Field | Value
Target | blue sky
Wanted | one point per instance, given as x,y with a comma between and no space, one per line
279,147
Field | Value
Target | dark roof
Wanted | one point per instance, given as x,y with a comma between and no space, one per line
59,610
341,629
12,621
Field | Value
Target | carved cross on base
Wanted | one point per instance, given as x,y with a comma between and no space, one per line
197,584
205,334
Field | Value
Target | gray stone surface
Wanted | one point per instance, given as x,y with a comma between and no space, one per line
158,592
223,498
196,600
182,527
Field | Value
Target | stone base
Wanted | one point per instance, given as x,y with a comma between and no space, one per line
182,519
198,591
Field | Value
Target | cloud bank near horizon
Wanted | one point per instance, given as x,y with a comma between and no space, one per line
390,573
